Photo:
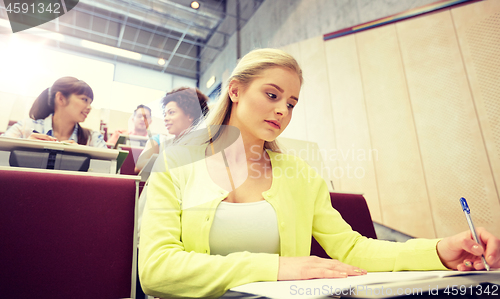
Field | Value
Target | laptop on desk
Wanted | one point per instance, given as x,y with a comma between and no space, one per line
18,152
132,140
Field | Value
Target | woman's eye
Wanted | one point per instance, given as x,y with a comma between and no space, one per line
290,106
86,100
271,95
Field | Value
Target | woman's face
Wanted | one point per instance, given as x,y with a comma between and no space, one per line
142,119
176,120
264,108
77,106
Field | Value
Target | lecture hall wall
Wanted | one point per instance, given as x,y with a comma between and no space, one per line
407,114
412,110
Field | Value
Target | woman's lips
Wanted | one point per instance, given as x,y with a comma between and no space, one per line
274,124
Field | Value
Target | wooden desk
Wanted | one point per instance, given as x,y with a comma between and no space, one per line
67,234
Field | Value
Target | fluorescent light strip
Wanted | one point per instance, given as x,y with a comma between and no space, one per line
110,50
84,43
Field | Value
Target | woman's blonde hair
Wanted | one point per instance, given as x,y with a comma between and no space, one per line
250,67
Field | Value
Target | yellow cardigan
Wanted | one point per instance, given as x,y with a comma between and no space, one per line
174,254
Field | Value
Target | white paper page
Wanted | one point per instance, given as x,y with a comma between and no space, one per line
322,288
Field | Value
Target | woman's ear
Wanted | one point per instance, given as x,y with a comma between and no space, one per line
60,99
234,90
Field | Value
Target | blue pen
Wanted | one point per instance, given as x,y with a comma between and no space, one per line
466,209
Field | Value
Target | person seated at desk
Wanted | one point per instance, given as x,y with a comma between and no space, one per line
141,119
183,108
56,113
200,238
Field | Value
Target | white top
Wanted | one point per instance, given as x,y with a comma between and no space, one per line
24,128
241,227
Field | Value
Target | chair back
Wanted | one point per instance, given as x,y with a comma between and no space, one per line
355,212
66,236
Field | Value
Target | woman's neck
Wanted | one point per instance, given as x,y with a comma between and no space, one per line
239,146
62,128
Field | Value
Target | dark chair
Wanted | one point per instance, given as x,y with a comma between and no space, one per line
355,212
66,235
128,166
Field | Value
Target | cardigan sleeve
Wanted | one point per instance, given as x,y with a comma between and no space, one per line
342,243
20,129
167,270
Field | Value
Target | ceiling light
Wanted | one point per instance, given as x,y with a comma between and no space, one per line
210,81
110,50
195,5
161,61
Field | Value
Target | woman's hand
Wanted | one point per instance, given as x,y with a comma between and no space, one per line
461,252
309,267
69,142
38,136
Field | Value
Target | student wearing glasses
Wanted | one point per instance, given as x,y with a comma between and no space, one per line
139,123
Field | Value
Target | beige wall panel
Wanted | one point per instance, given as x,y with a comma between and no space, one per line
7,101
119,120
316,95
93,120
400,177
356,170
478,31
20,109
157,126
296,128
453,154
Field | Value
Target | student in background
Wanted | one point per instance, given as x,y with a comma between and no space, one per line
182,108
56,115
141,119
200,237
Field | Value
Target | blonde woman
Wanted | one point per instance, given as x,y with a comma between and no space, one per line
242,212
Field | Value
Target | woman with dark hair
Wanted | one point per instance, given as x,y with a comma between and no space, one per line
138,124
183,109
56,113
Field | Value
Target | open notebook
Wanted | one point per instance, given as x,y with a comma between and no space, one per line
380,285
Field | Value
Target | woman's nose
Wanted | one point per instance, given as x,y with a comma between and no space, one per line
282,108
